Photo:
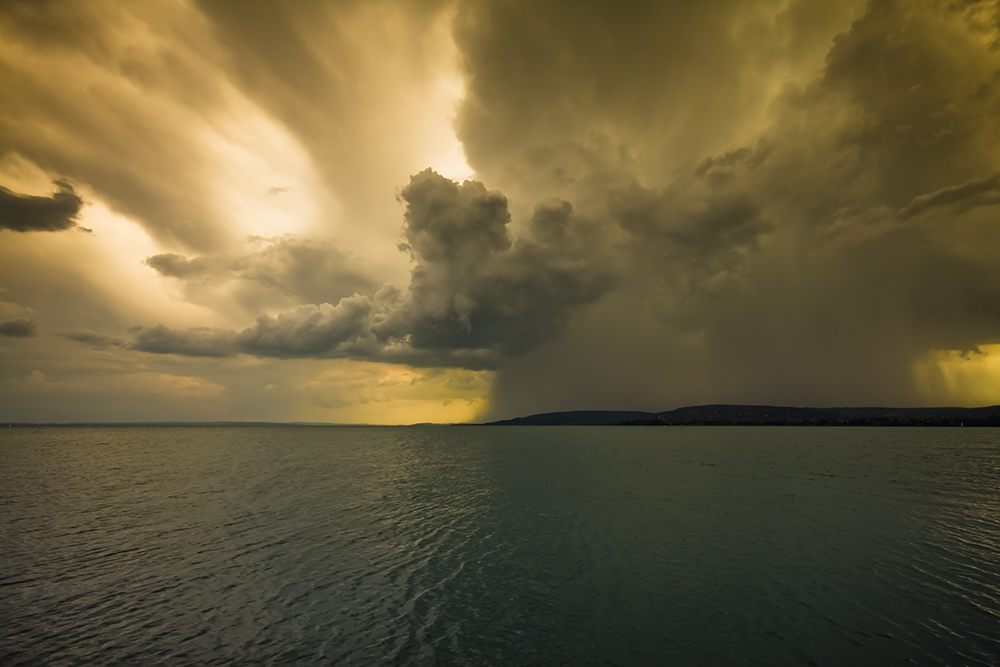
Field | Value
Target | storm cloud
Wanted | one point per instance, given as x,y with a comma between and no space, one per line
809,261
30,213
19,327
472,287
474,297
624,205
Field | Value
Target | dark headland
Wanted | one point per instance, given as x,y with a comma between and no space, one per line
767,415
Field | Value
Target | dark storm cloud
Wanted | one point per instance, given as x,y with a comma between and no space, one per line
29,213
541,74
196,342
702,228
472,288
474,296
18,328
878,177
922,83
321,330
308,331
814,260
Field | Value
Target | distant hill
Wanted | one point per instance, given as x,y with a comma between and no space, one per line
767,415
581,418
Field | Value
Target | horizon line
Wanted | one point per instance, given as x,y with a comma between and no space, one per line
237,422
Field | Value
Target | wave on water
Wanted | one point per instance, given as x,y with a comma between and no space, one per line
470,546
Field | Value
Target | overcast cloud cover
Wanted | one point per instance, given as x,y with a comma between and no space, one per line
397,212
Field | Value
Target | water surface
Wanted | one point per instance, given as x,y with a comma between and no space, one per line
492,545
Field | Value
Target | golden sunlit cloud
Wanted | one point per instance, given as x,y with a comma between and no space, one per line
264,179
952,377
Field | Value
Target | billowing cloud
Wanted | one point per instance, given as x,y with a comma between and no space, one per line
18,327
308,330
472,288
800,245
196,342
474,296
30,213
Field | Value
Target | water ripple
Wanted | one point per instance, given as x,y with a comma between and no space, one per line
521,546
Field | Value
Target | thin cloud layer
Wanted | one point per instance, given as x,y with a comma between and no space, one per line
94,339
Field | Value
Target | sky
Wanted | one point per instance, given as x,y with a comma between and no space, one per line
400,212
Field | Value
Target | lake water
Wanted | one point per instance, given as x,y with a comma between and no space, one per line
499,545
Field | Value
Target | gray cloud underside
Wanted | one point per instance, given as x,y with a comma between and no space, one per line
474,297
809,262
286,268
95,339
30,213
18,328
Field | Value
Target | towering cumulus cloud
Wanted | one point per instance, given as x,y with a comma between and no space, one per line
474,297
472,288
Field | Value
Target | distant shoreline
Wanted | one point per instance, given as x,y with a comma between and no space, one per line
700,415
766,415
